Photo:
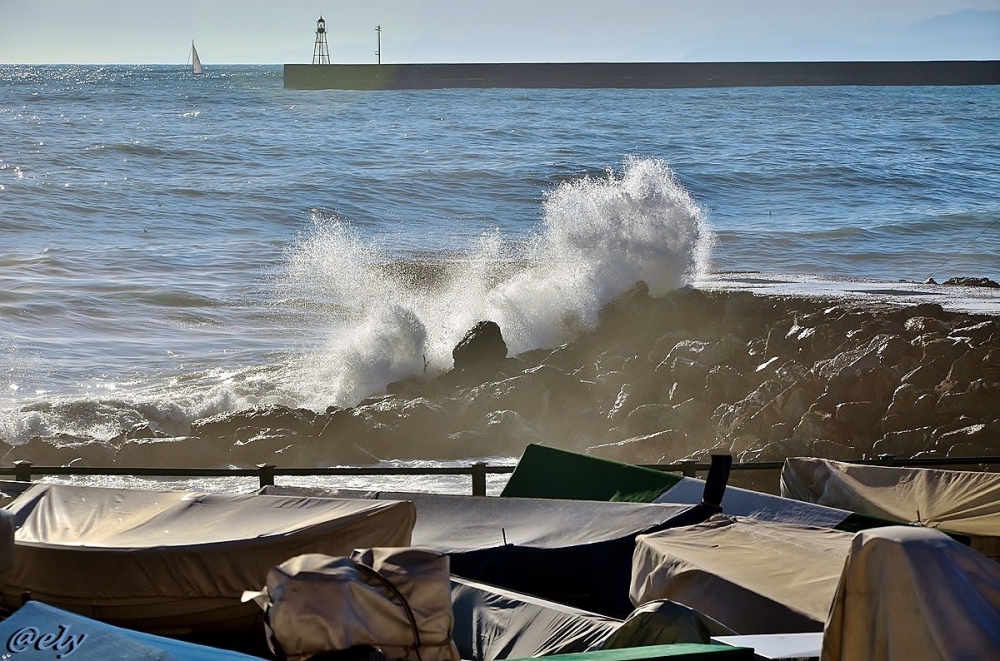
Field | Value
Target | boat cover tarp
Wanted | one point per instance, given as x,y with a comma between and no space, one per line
319,604
545,472
909,592
39,631
964,502
752,576
151,558
494,623
665,622
6,541
573,552
678,652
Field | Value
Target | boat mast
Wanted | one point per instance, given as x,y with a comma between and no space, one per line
378,47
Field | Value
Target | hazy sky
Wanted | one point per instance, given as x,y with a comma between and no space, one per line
278,31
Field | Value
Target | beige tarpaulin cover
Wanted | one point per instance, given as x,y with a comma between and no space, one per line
318,603
964,502
170,560
913,593
751,576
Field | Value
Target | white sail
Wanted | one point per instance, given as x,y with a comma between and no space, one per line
195,60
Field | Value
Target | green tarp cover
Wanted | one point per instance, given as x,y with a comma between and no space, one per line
653,652
545,472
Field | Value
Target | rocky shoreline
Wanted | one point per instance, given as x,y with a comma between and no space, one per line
659,380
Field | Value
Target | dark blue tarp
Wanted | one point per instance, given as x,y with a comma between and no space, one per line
39,631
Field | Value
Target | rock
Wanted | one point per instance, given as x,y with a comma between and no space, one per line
174,452
973,282
979,436
61,451
924,377
815,425
906,443
481,352
223,426
660,447
978,334
925,325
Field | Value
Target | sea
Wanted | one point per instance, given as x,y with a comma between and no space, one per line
174,246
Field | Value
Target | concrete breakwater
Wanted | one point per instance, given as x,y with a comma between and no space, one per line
638,75
659,379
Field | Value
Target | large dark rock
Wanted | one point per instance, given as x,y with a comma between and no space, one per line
481,352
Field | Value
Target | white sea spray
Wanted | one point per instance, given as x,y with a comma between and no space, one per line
597,238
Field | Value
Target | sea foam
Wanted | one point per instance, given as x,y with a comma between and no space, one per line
597,238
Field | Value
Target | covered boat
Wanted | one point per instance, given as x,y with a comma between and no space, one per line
546,472
754,577
913,593
573,552
961,502
176,563
39,631
494,623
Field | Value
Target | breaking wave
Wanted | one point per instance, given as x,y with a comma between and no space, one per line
384,320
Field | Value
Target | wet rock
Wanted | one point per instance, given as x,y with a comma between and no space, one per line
982,435
61,450
973,282
925,325
224,426
923,377
906,443
178,452
481,352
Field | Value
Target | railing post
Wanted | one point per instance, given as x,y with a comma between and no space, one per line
22,471
266,475
479,479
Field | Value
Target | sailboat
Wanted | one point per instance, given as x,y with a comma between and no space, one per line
195,61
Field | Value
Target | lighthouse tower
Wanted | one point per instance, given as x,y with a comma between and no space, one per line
321,52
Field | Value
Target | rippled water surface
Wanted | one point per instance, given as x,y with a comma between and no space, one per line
173,246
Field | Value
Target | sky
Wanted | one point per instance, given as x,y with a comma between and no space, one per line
280,31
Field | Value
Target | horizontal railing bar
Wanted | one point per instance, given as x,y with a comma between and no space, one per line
252,472
686,467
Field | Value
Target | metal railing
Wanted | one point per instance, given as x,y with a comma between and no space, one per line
25,471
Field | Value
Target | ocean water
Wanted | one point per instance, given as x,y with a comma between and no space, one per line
174,246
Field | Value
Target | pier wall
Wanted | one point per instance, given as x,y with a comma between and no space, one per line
639,75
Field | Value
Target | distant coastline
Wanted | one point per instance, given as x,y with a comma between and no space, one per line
639,75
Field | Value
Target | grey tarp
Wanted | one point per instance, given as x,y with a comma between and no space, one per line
964,502
913,593
751,576
397,600
177,562
493,623
573,552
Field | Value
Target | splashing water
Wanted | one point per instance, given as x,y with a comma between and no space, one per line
599,236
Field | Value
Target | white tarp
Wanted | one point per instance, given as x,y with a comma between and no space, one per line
913,593
173,561
751,576
964,502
